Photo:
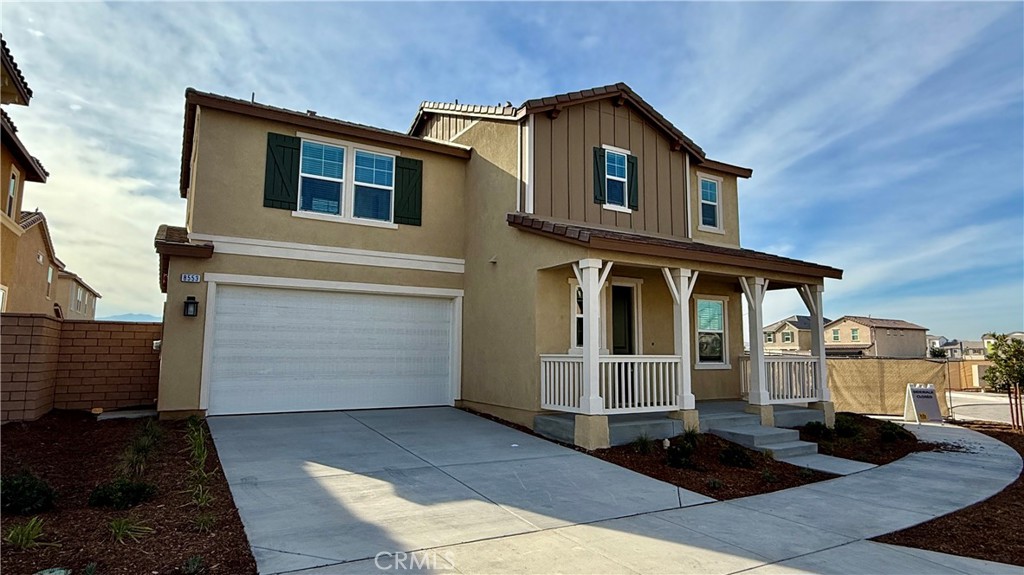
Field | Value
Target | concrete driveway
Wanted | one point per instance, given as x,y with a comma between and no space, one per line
318,489
440,490
981,405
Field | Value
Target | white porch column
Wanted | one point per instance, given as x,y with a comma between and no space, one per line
811,294
590,280
754,289
680,282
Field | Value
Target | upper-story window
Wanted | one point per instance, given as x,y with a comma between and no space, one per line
615,179
787,337
374,186
835,335
854,334
323,178
79,305
49,282
769,337
710,203
12,194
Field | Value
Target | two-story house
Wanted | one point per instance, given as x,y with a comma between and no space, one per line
791,335
577,253
853,335
29,267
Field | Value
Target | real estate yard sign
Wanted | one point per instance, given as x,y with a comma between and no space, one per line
922,404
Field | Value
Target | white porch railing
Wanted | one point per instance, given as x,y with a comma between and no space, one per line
790,379
627,383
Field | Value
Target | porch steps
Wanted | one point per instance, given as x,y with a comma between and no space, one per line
782,443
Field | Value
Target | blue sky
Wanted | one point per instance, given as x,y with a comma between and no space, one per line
886,139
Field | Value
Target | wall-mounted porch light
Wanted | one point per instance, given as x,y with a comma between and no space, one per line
191,307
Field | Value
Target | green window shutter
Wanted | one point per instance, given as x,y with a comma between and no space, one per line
408,191
599,180
281,183
632,177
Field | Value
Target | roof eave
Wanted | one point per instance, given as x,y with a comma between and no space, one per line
17,78
34,172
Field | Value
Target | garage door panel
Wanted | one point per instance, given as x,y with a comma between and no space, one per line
294,350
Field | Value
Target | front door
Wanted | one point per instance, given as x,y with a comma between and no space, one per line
623,321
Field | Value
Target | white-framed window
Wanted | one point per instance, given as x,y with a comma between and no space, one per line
3,298
710,203
616,178
854,334
787,337
374,186
322,178
712,334
12,193
835,335
769,337
346,182
576,340
49,282
79,305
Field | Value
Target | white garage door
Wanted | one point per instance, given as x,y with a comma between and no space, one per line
294,350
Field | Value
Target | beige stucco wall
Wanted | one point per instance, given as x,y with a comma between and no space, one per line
226,195
900,342
728,208
28,292
11,231
66,293
801,340
182,348
845,337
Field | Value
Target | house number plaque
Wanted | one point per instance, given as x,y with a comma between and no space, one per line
191,278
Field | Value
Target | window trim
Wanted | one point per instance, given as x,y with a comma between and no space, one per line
719,229
3,298
394,174
347,206
624,208
786,334
49,282
836,335
726,362
855,334
11,202
339,181
769,337
573,350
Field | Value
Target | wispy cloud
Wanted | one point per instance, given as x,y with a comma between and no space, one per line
886,138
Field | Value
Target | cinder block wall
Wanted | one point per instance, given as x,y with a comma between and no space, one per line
107,364
29,348
46,363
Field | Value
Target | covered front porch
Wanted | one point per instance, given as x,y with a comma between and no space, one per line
696,344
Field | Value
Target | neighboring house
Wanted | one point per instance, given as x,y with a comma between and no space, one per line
577,253
990,338
17,166
974,349
936,341
32,278
853,335
790,335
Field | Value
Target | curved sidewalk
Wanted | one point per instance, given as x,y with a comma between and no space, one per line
817,528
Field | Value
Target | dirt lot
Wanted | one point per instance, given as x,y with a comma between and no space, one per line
73,452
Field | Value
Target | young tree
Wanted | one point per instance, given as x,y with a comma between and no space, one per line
937,352
1007,367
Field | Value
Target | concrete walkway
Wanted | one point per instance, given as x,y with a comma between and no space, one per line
440,490
980,405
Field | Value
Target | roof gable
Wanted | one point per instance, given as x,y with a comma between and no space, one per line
884,323
30,220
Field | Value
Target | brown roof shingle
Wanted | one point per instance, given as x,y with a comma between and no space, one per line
20,84
632,242
35,172
173,241
880,322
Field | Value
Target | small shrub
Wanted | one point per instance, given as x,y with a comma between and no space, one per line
198,476
678,455
818,430
691,437
133,463
194,565
643,444
768,477
890,432
768,454
26,535
24,494
805,473
121,494
736,456
151,428
125,528
846,427
204,522
90,569
714,484
201,495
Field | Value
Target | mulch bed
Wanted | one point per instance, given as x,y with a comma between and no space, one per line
867,445
73,452
709,476
989,530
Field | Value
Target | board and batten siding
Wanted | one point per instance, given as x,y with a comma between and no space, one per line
563,174
444,127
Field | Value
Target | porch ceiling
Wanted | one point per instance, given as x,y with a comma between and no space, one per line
634,243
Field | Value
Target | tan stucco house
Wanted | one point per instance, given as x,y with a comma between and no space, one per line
853,335
577,253
791,335
30,272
